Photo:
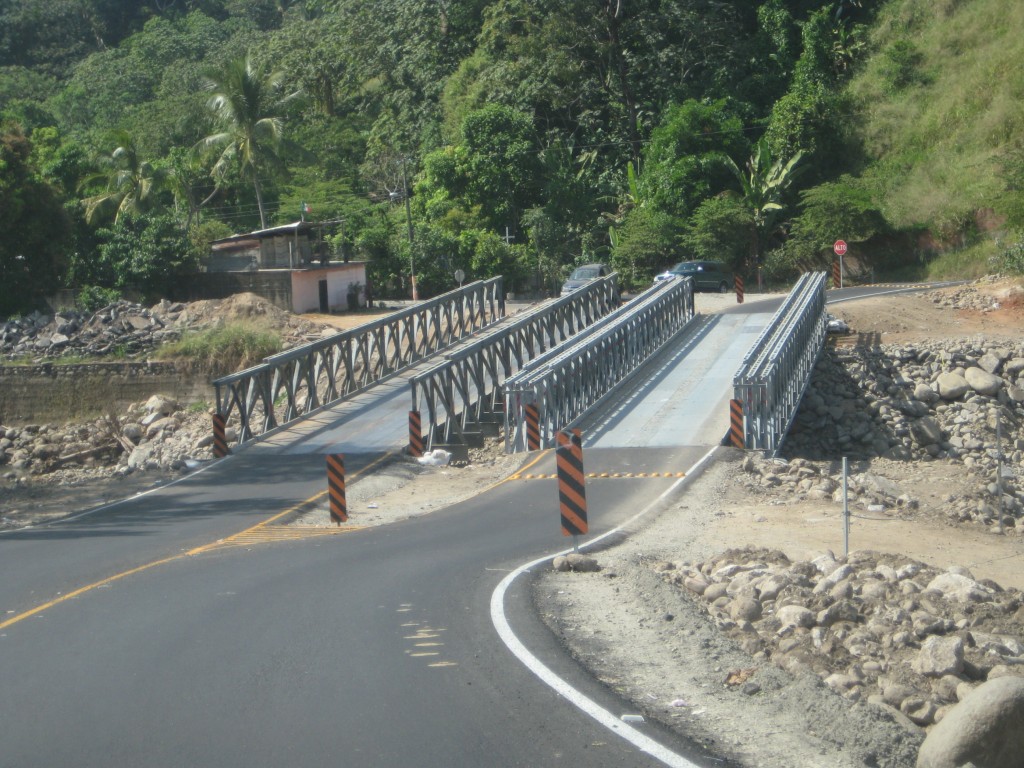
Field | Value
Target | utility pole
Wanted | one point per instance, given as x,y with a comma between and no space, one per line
408,222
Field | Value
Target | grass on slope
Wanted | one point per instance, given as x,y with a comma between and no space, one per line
224,349
941,95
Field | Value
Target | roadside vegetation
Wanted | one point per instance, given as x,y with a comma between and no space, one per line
222,350
508,137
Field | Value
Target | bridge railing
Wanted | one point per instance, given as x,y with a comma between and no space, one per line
294,383
462,396
775,373
566,384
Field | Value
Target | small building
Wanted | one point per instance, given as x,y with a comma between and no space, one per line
291,265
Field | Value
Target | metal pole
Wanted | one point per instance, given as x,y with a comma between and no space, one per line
846,515
999,472
840,270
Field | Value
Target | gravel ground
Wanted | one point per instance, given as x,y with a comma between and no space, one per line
659,649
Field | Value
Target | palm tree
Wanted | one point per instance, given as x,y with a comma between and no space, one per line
762,187
131,184
248,101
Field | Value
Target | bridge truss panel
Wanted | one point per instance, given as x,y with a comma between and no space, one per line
775,373
459,395
566,385
299,381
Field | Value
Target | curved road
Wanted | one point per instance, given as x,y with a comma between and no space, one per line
144,634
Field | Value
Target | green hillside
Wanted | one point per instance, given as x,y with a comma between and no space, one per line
939,110
527,136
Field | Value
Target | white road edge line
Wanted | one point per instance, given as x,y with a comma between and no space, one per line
641,741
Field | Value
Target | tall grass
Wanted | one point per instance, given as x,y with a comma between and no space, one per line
223,349
938,136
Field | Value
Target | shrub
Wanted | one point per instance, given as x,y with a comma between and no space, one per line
224,349
93,297
1011,260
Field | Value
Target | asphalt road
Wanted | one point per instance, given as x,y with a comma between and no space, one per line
372,648
129,637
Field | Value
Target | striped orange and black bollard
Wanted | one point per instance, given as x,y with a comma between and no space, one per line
837,274
532,427
572,492
736,424
415,435
336,487
220,441
739,289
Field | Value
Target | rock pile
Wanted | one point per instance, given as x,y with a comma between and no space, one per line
160,434
970,298
121,327
877,628
960,401
129,329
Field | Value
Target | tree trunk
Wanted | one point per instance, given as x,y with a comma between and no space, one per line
259,199
613,10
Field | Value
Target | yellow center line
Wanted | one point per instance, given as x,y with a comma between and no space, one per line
236,538
198,550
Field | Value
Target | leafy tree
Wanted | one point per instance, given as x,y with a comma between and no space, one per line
809,118
61,161
501,163
719,231
131,183
249,102
841,209
35,226
762,186
142,251
683,162
647,242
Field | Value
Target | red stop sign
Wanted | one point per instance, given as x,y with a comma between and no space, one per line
839,247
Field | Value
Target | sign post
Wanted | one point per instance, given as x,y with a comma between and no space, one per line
840,250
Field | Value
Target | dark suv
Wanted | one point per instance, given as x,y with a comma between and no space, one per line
707,275
583,275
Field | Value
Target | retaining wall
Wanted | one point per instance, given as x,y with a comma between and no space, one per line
57,393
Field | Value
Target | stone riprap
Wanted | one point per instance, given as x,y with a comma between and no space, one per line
957,401
160,434
882,629
131,330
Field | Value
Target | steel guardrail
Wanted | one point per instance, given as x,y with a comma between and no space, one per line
566,385
463,393
294,383
775,372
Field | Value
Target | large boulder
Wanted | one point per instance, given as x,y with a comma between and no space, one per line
926,431
983,730
983,382
952,386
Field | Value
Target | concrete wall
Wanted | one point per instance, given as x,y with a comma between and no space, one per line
57,393
306,286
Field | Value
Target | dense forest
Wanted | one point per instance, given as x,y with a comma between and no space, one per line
514,137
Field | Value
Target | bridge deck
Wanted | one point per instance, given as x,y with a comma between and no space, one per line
649,414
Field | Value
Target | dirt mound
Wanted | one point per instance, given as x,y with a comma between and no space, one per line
241,306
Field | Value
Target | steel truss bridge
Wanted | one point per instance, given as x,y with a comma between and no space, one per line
299,381
560,358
